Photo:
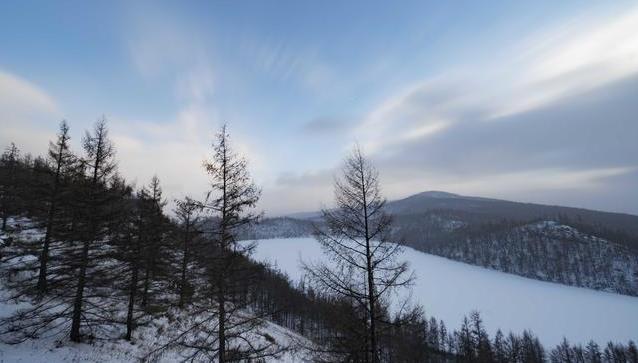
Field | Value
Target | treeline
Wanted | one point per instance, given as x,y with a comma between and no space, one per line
563,251
96,257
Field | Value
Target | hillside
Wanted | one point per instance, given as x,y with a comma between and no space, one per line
450,290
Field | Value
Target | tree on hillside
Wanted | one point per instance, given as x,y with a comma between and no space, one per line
94,203
9,183
225,328
79,275
365,266
61,160
153,244
141,249
187,215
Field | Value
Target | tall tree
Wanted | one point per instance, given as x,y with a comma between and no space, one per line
61,159
225,328
100,167
153,241
365,266
8,183
231,197
186,212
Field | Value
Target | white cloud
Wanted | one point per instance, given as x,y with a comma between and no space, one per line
28,114
541,70
573,59
19,97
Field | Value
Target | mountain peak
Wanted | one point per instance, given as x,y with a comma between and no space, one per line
437,194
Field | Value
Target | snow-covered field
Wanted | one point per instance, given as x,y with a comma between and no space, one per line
448,290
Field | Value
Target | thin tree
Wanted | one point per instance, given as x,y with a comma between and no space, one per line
231,197
61,159
8,183
224,328
365,265
186,212
154,242
100,165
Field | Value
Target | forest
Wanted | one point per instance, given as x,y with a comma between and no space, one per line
96,257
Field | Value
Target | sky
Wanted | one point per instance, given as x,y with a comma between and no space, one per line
533,101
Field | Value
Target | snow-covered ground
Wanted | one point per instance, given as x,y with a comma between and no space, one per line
146,338
448,290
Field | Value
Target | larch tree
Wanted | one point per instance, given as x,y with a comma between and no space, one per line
61,159
233,194
364,265
8,183
186,211
153,241
225,328
100,166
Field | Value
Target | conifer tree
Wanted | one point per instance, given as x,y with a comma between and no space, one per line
365,266
61,161
187,215
100,167
9,183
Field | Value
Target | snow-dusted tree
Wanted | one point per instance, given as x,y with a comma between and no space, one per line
94,202
186,211
153,241
61,161
79,277
8,183
481,339
224,329
364,265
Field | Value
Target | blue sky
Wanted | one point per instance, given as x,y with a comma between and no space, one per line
526,100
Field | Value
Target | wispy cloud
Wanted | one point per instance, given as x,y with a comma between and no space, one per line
545,68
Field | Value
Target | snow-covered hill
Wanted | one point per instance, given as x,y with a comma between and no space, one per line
448,290
149,336
145,339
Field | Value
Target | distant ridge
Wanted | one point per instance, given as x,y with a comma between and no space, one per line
489,209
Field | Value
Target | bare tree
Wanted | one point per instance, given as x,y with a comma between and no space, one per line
78,273
364,266
62,159
224,328
8,183
100,165
186,212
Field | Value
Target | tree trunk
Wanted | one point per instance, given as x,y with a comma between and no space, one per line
44,256
221,335
131,301
369,267
146,285
182,292
79,295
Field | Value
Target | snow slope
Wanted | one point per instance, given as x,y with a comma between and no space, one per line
146,338
448,290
